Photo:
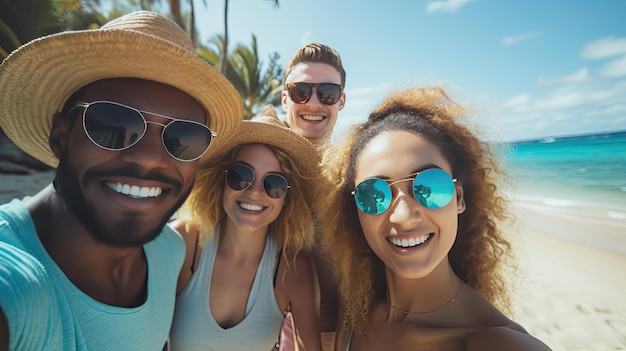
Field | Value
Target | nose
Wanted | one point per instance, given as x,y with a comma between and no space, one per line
405,212
149,152
256,189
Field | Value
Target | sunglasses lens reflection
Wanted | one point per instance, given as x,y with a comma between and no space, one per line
112,126
433,188
239,177
186,140
373,196
328,94
275,186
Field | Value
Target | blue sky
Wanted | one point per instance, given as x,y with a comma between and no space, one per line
532,68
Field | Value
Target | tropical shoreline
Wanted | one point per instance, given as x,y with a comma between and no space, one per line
569,290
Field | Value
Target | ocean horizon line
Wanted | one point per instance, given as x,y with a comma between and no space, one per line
581,136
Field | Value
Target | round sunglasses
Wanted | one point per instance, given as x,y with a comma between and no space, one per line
327,93
115,127
432,188
241,177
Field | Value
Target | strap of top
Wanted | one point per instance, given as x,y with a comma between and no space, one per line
280,255
195,252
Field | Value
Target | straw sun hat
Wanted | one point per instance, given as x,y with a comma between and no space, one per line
37,78
271,131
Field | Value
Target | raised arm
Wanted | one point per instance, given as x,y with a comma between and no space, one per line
190,234
302,289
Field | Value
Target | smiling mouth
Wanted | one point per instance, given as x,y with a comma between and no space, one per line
134,191
409,242
250,207
312,118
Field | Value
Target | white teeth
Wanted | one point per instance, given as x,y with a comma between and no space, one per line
313,118
135,191
250,207
411,242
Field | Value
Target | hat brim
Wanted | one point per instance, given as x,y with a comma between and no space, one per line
306,156
38,78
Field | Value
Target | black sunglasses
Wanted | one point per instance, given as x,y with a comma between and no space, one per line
241,177
327,93
114,126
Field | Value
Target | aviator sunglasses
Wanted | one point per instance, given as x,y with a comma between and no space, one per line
115,127
241,177
327,93
432,188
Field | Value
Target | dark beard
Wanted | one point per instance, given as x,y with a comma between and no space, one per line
129,232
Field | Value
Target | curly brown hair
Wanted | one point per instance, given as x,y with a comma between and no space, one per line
292,230
480,247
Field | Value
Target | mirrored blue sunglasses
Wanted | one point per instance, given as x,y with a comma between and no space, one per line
432,188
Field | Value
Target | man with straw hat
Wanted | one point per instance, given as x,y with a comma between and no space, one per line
124,112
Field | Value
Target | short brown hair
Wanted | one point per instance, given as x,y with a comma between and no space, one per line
319,53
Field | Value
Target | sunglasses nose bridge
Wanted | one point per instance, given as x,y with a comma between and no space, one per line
404,210
313,98
145,153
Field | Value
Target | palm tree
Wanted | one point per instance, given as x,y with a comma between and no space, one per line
24,20
223,61
256,85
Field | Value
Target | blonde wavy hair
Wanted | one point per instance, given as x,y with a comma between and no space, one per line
480,248
292,229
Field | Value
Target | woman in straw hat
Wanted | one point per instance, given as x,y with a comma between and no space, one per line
412,222
125,112
250,225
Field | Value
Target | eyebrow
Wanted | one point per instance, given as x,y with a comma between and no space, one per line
413,172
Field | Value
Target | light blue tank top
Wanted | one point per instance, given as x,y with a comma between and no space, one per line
46,311
195,328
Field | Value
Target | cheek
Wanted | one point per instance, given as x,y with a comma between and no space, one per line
372,227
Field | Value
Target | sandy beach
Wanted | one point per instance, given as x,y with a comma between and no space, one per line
569,293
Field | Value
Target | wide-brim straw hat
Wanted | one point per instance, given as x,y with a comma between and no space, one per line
38,78
271,131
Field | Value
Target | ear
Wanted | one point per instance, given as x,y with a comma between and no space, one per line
59,133
342,101
460,200
283,99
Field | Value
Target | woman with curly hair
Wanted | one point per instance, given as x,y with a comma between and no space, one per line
248,228
412,224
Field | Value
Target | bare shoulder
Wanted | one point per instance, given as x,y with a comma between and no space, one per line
302,270
190,233
510,337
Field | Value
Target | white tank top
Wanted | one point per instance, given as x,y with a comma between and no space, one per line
194,327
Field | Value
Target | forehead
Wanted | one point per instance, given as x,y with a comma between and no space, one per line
314,72
145,95
259,156
396,154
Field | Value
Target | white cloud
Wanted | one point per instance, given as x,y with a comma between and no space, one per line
517,38
613,69
306,38
595,106
603,48
445,5
580,76
519,100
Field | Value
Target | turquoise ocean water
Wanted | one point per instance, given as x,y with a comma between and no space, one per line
586,171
